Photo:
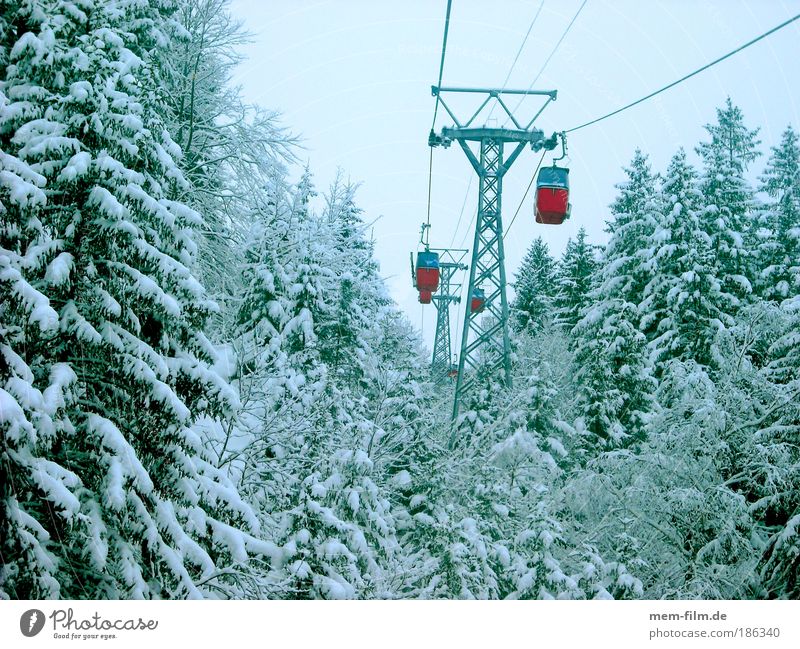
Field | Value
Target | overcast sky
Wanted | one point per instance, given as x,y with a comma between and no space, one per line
353,78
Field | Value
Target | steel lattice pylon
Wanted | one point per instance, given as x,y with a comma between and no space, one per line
485,338
442,300
487,271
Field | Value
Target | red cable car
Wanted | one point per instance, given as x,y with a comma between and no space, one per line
478,300
427,272
552,195
424,296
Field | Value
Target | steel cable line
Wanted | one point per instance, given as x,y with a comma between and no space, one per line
524,196
469,226
522,45
688,76
461,213
516,57
550,56
441,63
491,110
435,112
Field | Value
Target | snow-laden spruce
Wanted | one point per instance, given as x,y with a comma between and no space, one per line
685,304
105,361
778,235
728,213
647,446
535,288
575,277
612,369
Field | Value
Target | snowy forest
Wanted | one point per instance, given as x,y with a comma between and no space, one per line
207,391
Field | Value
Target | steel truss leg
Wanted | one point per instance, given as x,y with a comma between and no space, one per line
485,341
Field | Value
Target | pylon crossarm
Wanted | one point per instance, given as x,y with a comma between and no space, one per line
494,92
532,136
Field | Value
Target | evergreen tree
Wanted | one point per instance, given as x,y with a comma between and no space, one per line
280,374
358,293
728,215
535,287
112,495
612,373
685,306
615,384
779,249
575,278
635,213
265,302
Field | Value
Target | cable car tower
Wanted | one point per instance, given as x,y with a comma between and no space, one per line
447,295
488,347
432,275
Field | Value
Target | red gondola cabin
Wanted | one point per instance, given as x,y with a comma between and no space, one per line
478,301
424,296
552,195
427,273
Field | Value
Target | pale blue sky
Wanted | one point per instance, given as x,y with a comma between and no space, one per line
353,78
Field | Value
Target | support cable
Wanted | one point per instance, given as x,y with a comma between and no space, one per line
516,58
491,110
435,112
441,63
469,228
688,76
550,56
461,213
430,185
522,45
524,196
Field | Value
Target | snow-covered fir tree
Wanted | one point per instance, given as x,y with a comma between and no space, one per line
535,287
634,215
728,213
284,439
575,277
684,305
612,370
779,234
107,361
